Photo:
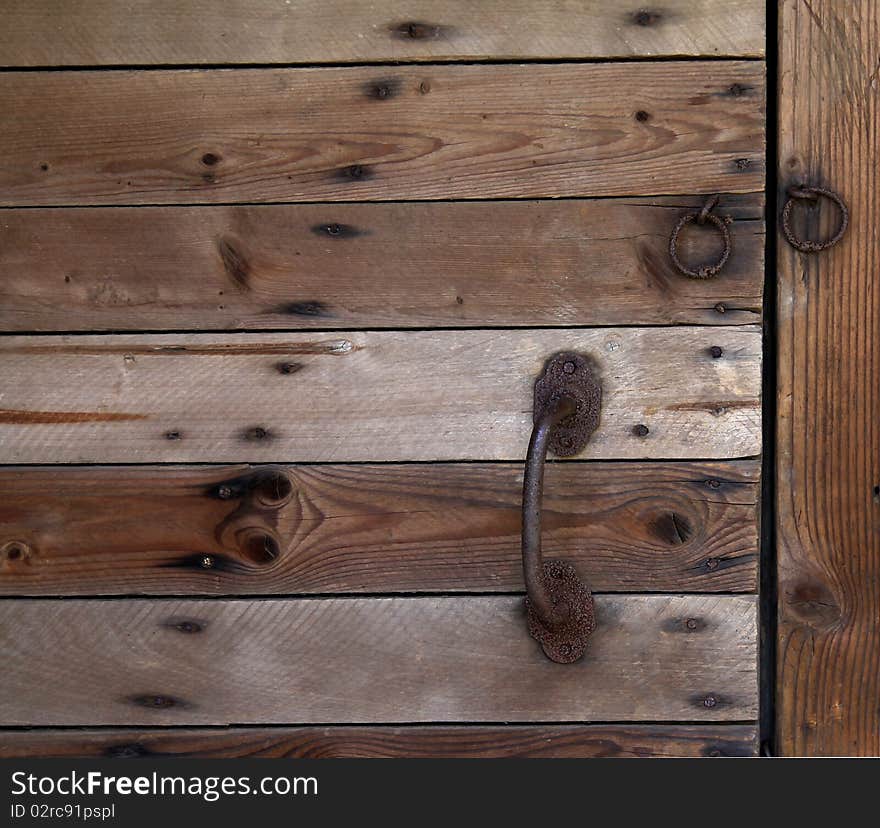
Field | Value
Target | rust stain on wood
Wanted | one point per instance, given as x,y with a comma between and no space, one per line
335,346
19,417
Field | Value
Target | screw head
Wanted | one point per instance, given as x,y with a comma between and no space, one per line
207,562
711,563
710,701
569,367
715,351
224,492
691,623
641,430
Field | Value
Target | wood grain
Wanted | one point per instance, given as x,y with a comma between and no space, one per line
362,660
103,32
376,266
384,528
829,386
374,396
381,133
457,741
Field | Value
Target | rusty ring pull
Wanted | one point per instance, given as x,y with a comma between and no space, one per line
704,215
559,606
813,194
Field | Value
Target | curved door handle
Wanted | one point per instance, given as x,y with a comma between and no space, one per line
568,400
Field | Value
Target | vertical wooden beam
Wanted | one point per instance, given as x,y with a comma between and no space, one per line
828,461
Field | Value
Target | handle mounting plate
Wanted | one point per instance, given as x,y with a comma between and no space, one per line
572,375
566,642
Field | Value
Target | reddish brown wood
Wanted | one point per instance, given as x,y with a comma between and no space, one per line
386,528
483,742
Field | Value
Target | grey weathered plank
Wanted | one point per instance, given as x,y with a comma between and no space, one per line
434,264
381,133
362,660
96,32
618,741
389,396
649,527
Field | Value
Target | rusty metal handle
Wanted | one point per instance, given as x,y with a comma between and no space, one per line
559,605
540,598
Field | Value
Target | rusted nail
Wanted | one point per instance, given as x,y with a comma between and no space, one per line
643,116
640,430
289,367
644,17
715,352
719,308
156,702
713,484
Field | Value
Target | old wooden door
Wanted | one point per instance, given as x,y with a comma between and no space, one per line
276,287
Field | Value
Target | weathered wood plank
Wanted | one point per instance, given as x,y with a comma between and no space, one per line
361,660
829,386
378,265
343,134
462,741
375,396
104,32
411,528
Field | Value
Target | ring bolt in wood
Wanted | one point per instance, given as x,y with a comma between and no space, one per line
559,606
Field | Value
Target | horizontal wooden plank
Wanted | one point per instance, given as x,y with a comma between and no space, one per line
321,529
380,133
105,32
361,660
457,741
499,263
340,397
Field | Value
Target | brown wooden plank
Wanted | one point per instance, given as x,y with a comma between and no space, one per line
411,528
361,660
436,264
462,741
343,134
829,385
102,32
341,397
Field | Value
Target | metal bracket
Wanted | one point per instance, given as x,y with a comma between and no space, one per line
571,375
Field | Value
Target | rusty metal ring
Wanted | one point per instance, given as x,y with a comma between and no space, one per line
703,216
796,194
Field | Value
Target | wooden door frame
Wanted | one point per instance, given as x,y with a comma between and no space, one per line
827,447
